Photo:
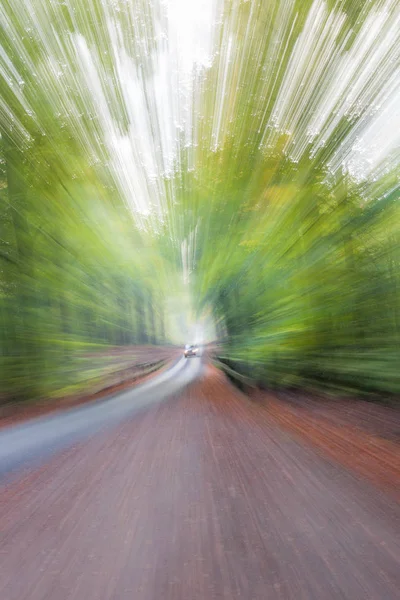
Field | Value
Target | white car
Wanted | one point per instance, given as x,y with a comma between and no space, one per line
191,351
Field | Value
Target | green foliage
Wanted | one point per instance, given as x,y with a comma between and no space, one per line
299,260
307,282
75,270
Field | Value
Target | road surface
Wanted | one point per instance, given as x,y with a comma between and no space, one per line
201,497
32,442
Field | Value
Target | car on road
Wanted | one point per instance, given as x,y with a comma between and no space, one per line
191,351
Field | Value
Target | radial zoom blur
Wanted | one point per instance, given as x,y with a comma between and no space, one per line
241,155
215,180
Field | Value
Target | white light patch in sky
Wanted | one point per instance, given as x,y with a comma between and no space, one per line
128,76
158,102
381,139
191,25
325,83
139,102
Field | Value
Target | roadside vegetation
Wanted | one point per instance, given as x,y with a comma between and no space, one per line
272,195
297,227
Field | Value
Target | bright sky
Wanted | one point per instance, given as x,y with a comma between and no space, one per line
322,83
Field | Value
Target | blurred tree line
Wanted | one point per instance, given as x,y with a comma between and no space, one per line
77,271
305,282
298,257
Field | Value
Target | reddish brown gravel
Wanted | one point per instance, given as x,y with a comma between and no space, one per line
362,437
204,497
381,420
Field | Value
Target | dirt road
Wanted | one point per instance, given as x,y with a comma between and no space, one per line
204,497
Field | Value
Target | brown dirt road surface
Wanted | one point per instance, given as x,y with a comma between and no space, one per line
361,436
204,497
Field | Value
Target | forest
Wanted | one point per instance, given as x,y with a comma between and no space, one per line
262,178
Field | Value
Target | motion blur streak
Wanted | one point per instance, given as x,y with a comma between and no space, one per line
203,498
220,174
245,152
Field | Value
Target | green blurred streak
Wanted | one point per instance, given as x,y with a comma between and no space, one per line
297,261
